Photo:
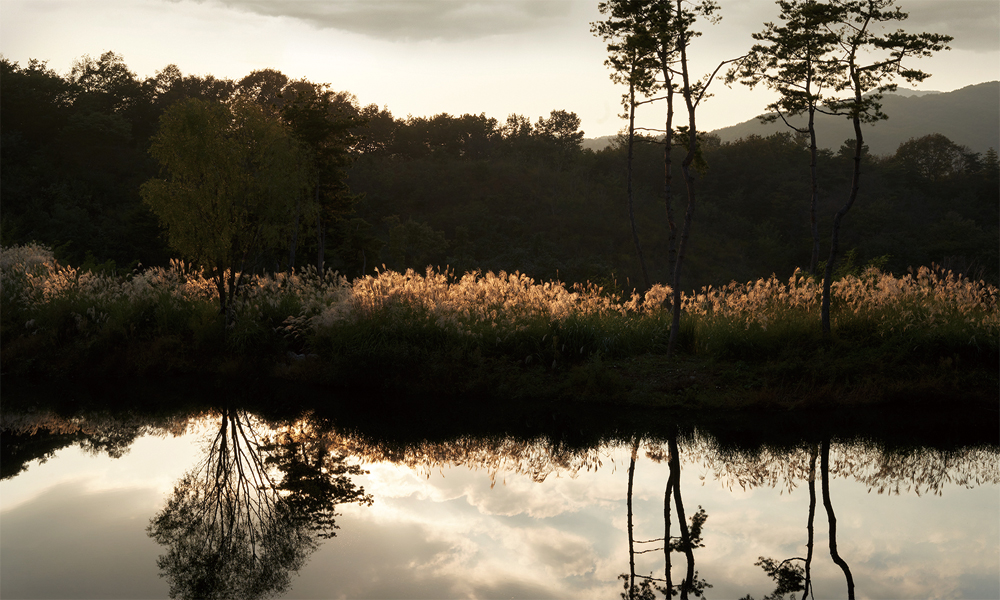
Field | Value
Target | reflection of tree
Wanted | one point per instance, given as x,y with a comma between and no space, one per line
790,577
787,575
231,531
690,537
538,458
825,476
39,435
315,479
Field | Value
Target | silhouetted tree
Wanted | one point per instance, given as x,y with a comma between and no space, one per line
869,61
679,26
794,59
323,121
560,134
633,63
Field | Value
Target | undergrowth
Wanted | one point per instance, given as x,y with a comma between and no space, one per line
156,320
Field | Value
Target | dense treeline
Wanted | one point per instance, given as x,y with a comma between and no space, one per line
514,207
473,192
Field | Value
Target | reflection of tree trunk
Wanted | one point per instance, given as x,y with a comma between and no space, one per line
666,529
812,516
675,475
631,538
825,474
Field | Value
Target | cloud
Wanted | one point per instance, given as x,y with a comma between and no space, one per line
415,20
975,24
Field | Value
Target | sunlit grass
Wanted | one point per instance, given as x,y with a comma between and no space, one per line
404,318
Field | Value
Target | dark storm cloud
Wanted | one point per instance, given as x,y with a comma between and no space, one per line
415,19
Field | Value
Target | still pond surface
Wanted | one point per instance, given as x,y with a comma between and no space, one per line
223,504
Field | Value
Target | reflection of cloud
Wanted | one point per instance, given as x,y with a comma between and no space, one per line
512,495
453,534
70,541
397,20
565,554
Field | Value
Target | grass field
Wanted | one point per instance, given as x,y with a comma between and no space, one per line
504,333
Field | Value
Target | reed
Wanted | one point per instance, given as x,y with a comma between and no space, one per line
391,319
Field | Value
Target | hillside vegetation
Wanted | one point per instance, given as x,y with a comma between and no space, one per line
470,192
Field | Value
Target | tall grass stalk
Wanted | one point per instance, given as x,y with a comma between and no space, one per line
390,316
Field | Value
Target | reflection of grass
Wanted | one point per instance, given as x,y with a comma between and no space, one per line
436,330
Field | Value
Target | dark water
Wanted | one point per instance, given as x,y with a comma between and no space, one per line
223,503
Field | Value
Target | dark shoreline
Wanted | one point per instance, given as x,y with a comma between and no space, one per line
577,404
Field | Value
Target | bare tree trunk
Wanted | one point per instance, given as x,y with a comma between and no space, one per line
219,276
293,246
320,236
668,193
692,145
321,242
855,185
825,473
814,227
631,147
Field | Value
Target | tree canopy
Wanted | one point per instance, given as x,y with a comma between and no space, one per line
232,177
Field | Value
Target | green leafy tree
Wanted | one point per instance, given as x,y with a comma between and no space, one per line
232,177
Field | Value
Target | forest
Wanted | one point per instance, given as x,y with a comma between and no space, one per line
474,192
272,227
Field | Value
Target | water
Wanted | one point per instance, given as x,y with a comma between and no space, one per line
477,515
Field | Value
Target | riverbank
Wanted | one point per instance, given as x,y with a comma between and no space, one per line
929,336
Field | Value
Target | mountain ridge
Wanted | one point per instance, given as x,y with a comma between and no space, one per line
968,116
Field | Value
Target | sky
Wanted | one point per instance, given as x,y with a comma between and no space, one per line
425,57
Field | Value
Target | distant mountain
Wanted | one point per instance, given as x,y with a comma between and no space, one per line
907,93
598,143
969,116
